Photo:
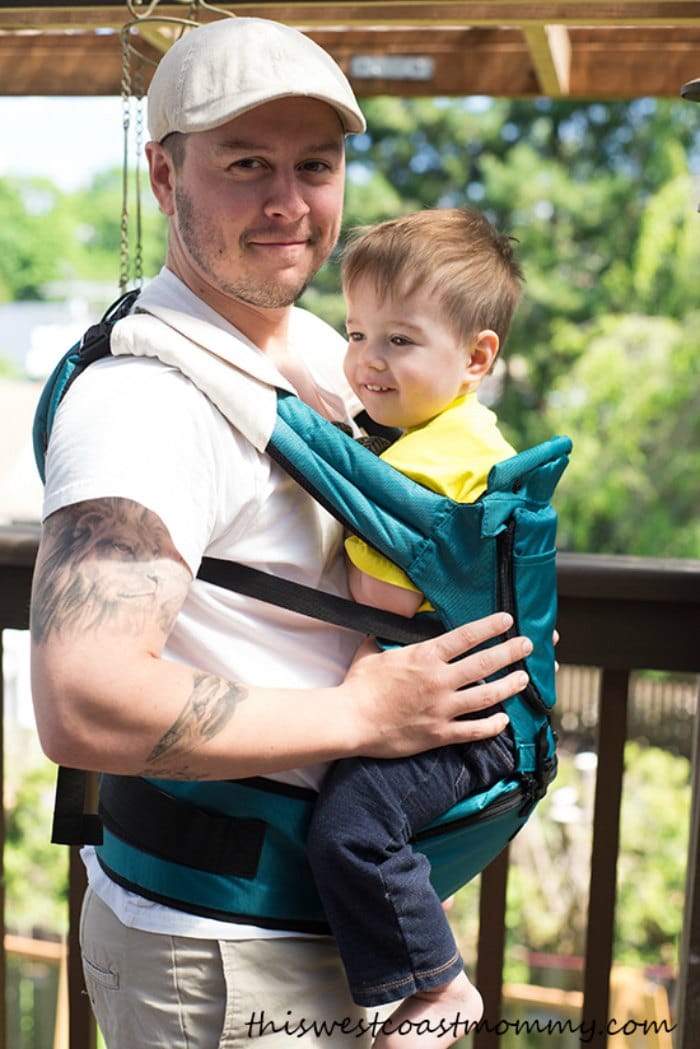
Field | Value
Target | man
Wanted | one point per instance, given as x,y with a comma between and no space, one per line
142,672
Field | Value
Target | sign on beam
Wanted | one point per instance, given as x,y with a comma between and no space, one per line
391,67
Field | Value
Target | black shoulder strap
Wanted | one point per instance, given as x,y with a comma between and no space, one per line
95,342
318,604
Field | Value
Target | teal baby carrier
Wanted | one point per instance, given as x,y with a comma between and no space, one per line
235,849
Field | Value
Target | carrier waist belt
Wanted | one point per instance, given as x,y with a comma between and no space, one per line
136,811
177,851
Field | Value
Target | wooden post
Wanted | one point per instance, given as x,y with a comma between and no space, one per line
612,732
688,1006
492,943
61,1024
3,956
82,1030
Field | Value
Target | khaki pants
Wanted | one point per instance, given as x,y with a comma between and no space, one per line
153,991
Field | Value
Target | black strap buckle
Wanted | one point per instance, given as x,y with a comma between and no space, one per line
71,824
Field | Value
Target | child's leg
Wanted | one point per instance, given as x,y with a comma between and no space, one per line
392,932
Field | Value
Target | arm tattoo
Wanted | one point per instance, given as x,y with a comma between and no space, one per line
111,563
207,711
106,561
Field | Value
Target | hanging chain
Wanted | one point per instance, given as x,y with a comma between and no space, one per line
138,145
126,125
129,92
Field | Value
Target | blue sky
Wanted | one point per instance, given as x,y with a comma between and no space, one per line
66,139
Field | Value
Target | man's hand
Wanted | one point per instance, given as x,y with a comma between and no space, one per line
412,698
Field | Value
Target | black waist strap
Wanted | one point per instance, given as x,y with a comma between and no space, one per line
171,829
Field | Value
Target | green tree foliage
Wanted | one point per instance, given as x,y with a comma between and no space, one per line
36,872
573,182
48,236
96,215
599,198
31,242
651,882
631,399
548,886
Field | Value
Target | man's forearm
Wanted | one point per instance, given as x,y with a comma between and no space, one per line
108,587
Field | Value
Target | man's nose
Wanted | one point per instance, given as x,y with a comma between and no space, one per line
286,197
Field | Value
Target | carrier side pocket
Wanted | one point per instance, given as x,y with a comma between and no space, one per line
528,590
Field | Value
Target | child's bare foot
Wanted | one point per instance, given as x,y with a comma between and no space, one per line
434,1018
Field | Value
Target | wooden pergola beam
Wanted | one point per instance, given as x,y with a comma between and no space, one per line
604,64
550,51
45,14
160,36
509,48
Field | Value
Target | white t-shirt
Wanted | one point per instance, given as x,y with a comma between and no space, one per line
137,429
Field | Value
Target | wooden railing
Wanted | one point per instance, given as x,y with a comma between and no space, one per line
42,954
617,613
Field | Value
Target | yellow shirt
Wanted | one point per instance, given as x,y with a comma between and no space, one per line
452,454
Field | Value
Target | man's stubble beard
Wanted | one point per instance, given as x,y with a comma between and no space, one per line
269,295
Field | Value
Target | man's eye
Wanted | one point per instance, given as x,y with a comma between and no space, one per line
316,166
247,164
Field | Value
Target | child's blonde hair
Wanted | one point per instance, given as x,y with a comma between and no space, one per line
472,268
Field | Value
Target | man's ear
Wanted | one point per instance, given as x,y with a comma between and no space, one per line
161,171
482,355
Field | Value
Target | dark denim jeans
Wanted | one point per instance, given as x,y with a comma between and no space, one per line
392,932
